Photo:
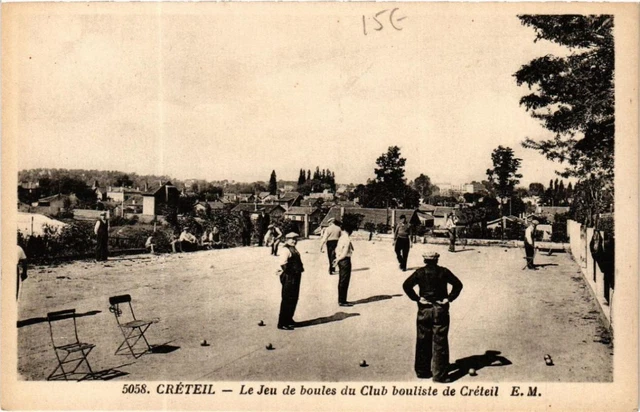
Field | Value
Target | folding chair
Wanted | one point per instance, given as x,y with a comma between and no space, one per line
70,352
132,329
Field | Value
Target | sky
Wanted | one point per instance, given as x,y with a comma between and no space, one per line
234,91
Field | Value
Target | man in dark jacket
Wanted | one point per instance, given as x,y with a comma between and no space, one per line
432,343
101,230
290,273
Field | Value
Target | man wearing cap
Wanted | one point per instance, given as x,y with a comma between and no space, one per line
331,236
290,273
402,242
101,230
432,342
530,243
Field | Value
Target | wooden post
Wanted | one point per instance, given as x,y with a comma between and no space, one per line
306,225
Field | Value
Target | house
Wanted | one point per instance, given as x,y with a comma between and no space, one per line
155,200
270,199
101,193
440,214
289,199
29,191
55,204
274,211
311,202
426,219
120,194
246,197
263,195
325,195
133,204
549,212
307,218
201,207
230,198
508,221
387,217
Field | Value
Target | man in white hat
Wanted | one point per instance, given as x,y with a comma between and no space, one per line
101,230
330,237
530,243
290,273
432,342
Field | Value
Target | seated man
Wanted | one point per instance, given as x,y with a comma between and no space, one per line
188,242
150,244
175,244
215,239
204,240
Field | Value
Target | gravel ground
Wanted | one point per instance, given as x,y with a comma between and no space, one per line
221,296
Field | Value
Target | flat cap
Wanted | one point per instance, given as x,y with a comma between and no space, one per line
430,255
292,235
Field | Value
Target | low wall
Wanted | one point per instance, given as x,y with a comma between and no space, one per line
580,238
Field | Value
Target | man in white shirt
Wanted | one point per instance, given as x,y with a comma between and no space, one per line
344,250
530,243
330,237
188,242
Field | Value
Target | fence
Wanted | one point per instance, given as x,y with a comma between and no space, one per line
601,286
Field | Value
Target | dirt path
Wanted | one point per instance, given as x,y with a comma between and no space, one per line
222,295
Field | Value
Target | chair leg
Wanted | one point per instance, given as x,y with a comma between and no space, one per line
128,337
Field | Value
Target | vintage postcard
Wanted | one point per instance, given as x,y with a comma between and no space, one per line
320,206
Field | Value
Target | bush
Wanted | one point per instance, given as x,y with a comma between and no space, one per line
353,220
559,228
370,227
77,238
383,228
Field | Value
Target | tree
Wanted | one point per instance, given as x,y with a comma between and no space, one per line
536,189
504,176
573,95
124,181
423,185
389,188
273,183
301,178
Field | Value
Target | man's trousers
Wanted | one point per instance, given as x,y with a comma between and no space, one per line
290,293
432,343
331,254
344,267
402,251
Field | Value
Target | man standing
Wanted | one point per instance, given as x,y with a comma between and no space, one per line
451,227
330,237
22,269
263,226
401,242
432,343
101,230
343,253
530,243
247,228
290,273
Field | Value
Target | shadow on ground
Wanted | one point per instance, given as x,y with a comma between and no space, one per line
374,299
33,321
360,270
336,317
490,358
164,348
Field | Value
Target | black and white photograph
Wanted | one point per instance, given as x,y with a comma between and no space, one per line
320,206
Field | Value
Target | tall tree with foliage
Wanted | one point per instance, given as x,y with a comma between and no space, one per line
273,183
423,186
389,188
573,96
504,176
